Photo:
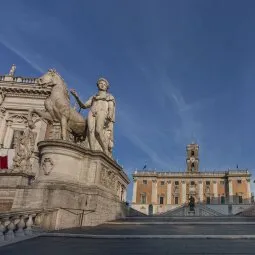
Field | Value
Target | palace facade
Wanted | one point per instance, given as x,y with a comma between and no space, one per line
158,192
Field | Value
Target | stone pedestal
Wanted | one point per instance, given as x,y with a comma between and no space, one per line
82,185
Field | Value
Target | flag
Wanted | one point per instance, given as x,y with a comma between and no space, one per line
144,166
3,162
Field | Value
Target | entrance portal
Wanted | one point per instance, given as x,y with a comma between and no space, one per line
150,209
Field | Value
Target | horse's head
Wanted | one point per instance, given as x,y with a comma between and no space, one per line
51,78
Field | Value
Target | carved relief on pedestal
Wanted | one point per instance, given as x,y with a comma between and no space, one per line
47,165
24,147
118,185
53,131
108,178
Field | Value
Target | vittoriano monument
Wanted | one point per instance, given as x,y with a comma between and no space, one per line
55,159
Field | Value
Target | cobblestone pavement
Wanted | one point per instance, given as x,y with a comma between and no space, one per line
77,246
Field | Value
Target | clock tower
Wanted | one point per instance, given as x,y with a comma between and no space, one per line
192,158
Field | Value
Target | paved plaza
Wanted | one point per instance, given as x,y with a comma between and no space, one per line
147,235
80,246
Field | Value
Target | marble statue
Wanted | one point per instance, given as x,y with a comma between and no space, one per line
191,203
101,117
58,107
12,70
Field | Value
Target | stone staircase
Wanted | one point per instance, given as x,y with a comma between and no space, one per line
200,210
248,212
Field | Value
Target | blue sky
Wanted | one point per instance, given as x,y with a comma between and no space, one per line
180,71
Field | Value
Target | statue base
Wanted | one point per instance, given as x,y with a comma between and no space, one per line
85,187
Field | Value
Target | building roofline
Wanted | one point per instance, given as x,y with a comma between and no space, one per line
229,172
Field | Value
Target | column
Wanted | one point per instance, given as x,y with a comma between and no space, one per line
200,191
230,192
134,191
183,192
248,196
215,192
154,193
2,125
8,135
169,192
125,195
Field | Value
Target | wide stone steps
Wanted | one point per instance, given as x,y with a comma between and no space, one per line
206,219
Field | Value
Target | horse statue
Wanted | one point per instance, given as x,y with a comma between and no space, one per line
58,107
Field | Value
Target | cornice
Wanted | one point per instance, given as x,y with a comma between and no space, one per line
188,175
27,91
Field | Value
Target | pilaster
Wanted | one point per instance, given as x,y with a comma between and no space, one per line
154,195
183,192
134,191
169,192
201,197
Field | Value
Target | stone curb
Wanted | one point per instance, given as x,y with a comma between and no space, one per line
188,217
18,239
87,236
180,223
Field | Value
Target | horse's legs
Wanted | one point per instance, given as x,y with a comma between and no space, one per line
64,127
42,114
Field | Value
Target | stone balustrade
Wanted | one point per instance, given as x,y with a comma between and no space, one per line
16,224
7,78
148,173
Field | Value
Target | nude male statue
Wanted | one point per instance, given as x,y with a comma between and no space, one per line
101,116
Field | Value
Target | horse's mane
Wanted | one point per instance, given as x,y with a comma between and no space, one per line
53,70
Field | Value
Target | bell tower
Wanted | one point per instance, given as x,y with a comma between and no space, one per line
192,159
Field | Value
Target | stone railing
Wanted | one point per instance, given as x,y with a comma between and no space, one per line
15,224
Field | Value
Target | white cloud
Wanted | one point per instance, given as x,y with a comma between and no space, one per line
22,54
133,128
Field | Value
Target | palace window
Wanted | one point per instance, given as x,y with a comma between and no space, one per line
176,182
192,167
162,183
207,182
239,181
208,200
222,182
176,200
161,200
144,181
192,183
143,198
222,200
240,199
192,153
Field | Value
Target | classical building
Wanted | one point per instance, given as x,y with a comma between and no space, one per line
160,192
49,163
